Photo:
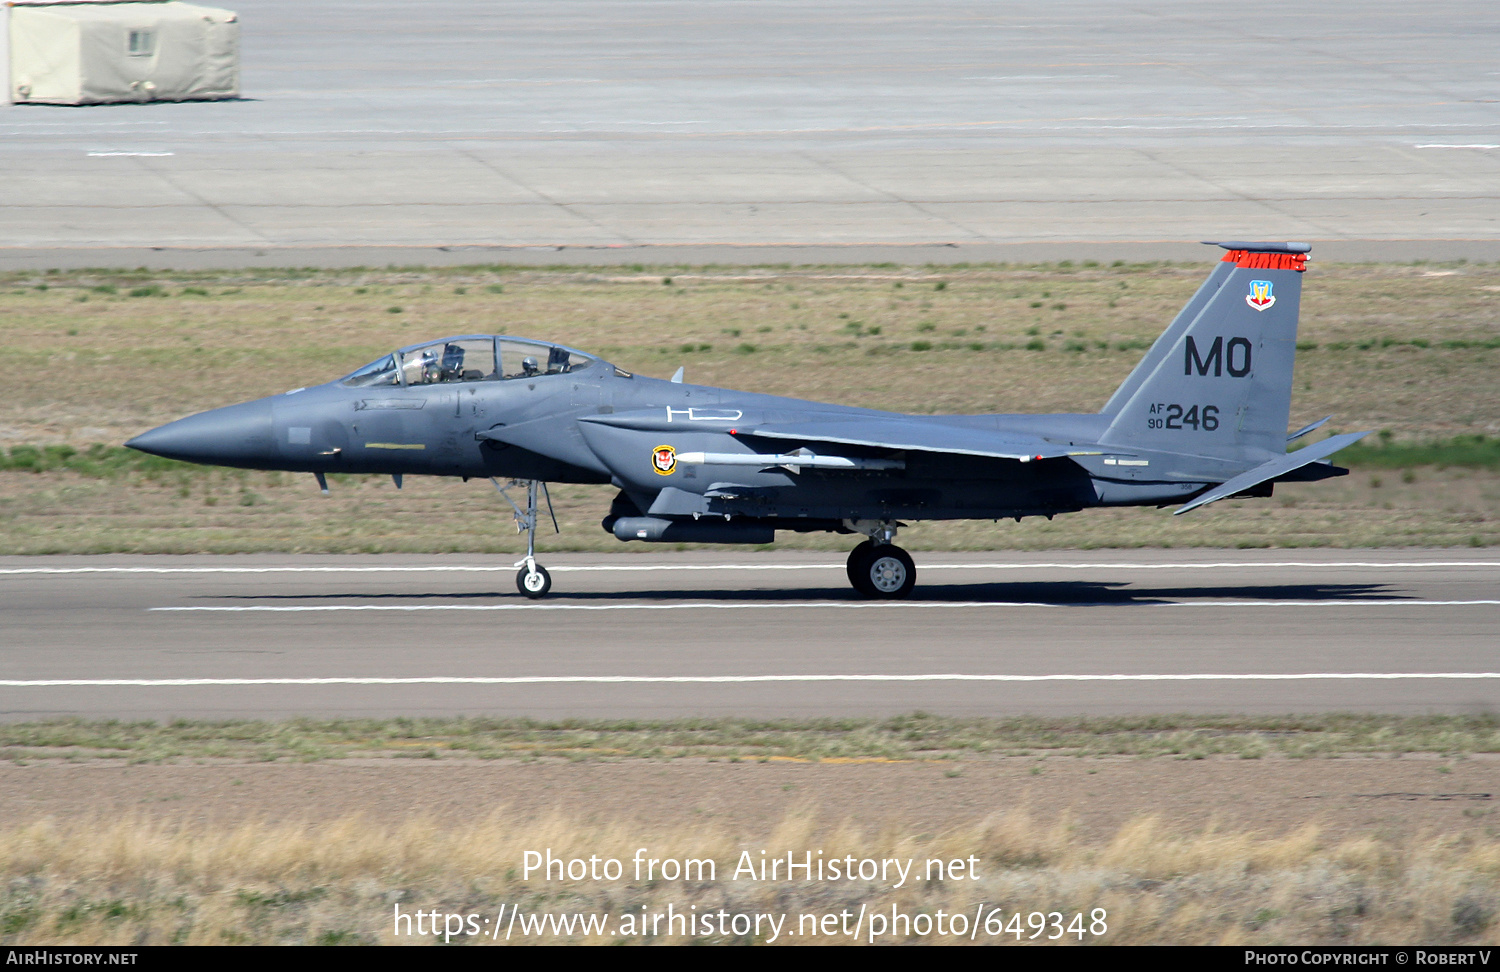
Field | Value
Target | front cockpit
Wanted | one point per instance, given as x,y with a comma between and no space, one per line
470,358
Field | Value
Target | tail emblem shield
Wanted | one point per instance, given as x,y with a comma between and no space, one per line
664,460
1260,296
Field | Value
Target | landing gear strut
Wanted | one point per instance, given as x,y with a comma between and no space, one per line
533,579
878,568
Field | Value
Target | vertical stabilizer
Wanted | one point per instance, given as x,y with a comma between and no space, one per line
1219,382
1169,337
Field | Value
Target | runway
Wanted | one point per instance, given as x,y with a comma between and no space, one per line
691,131
712,633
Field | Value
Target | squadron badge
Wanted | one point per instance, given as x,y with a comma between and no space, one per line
664,460
1260,296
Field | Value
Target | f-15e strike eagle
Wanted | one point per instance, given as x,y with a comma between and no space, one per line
1201,418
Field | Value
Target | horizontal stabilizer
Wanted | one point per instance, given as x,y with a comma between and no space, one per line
915,435
1308,428
1279,466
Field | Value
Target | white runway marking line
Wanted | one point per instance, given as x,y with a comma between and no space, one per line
734,679
785,605
627,568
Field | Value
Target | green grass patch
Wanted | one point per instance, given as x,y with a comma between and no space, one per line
96,462
1466,451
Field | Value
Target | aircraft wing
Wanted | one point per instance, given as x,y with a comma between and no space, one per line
914,435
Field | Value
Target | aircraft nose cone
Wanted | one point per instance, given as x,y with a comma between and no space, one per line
239,435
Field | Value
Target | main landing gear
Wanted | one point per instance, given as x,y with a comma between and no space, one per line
878,568
532,580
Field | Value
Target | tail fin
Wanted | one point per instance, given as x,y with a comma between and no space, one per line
1218,382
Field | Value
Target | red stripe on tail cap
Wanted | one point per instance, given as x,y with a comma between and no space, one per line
1249,260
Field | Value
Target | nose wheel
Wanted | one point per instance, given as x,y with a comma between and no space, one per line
534,581
881,570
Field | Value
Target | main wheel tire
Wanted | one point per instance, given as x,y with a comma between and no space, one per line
881,570
888,572
534,585
855,568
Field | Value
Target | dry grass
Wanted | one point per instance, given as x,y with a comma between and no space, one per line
917,736
1409,349
227,511
139,882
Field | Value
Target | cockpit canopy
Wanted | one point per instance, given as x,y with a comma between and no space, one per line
480,357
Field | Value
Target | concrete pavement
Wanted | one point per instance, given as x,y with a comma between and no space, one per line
444,132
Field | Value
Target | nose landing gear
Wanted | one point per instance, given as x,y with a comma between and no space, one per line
878,568
533,580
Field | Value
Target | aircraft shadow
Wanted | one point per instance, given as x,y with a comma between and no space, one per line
1061,593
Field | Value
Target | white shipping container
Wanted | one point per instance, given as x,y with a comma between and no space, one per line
87,53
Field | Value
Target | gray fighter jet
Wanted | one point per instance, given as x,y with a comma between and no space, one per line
1201,418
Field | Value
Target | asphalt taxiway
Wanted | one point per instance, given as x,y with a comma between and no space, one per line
711,633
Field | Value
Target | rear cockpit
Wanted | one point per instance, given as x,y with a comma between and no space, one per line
470,358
